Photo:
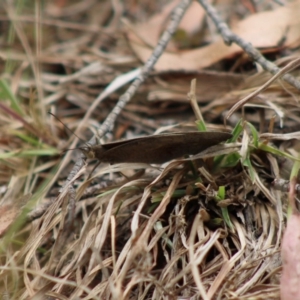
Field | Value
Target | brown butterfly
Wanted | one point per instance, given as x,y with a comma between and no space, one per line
155,149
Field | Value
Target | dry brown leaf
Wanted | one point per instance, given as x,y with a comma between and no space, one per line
210,85
290,279
271,29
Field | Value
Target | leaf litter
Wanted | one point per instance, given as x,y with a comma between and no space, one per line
181,230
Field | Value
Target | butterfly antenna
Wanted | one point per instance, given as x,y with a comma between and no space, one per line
50,113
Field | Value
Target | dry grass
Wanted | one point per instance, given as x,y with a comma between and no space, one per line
175,231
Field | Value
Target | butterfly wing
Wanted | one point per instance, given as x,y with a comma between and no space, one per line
161,148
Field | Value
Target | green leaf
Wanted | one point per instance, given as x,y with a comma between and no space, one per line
254,134
226,217
272,150
201,125
226,161
221,193
232,159
247,163
238,129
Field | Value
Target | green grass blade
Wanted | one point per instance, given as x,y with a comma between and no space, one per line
6,93
221,196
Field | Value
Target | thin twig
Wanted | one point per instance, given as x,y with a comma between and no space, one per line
229,37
